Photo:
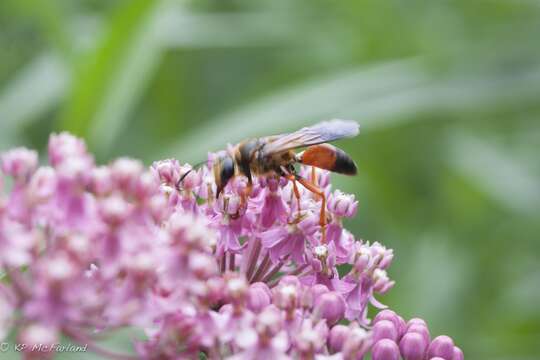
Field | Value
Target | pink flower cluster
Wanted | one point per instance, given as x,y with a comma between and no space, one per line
87,249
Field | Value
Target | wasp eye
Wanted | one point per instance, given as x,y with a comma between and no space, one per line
227,169
226,173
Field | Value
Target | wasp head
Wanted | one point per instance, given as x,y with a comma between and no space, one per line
223,171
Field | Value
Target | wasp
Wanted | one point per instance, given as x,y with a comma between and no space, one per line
275,156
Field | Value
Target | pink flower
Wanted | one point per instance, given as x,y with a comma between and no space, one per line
342,205
19,163
290,240
91,248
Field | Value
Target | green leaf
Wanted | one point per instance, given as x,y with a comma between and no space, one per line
501,176
310,101
102,89
33,91
377,96
50,16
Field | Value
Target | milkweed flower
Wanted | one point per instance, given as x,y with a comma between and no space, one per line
87,248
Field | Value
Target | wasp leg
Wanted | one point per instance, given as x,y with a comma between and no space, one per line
313,175
296,195
316,190
244,196
248,190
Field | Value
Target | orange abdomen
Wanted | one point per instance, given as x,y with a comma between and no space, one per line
326,156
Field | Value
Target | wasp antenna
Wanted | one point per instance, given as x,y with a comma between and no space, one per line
182,178
194,167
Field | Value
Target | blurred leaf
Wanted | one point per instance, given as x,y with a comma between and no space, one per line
50,16
377,96
33,91
128,82
94,81
303,104
180,28
117,81
495,172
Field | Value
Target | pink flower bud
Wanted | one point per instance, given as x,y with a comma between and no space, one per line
290,280
215,289
236,288
125,172
59,268
419,328
386,260
458,354
168,171
312,294
342,205
413,346
311,337
387,315
202,265
157,206
42,185
19,163
63,146
101,180
385,349
357,343
416,321
259,297
76,169
441,346
114,209
192,179
382,282
269,321
286,296
330,306
145,186
385,329
338,335
402,327
361,263
383,255
38,341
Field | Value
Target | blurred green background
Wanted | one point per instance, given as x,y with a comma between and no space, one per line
447,93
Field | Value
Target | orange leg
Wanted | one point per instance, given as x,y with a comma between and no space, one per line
316,190
246,193
296,194
313,176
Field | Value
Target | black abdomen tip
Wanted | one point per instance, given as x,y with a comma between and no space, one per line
344,164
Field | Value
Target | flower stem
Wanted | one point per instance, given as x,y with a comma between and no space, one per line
253,257
299,269
274,270
223,262
262,268
231,262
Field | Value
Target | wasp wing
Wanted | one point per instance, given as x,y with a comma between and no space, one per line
323,132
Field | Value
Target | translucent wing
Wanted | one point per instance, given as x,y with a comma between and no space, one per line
323,132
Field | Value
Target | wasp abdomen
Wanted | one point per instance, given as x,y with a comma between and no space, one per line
326,156
344,163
